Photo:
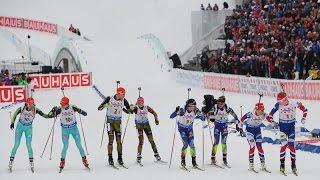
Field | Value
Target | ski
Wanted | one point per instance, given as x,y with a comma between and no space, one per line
216,165
161,162
253,170
197,168
295,173
226,165
283,173
265,170
140,164
185,168
123,166
114,167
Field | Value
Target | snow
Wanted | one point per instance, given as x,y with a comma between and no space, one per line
118,55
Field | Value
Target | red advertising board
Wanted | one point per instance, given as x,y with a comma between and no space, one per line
294,89
28,24
312,90
10,94
52,81
231,84
212,81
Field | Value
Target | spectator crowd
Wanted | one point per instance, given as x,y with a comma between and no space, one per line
272,38
214,8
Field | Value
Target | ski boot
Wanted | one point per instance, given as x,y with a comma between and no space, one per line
251,166
31,164
11,163
194,163
120,161
62,163
225,162
263,164
85,162
293,166
183,162
110,160
213,160
157,156
282,167
139,159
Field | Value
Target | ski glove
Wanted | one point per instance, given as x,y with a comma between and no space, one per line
103,106
275,124
132,107
303,120
177,110
156,121
12,126
53,112
83,112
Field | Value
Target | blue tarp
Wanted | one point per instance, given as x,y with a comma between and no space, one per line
299,146
315,131
303,129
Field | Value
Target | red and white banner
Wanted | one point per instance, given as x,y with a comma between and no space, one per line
28,24
249,85
294,89
312,90
230,83
269,87
65,80
212,81
11,94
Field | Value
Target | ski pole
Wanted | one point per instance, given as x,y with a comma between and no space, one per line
125,129
139,89
189,89
52,140
202,144
84,137
223,89
241,115
48,137
10,116
62,89
174,137
282,87
210,135
260,96
103,130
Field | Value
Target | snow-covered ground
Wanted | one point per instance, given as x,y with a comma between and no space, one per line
118,55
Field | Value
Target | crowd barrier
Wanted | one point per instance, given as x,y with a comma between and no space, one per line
296,89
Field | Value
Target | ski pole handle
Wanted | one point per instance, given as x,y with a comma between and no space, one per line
118,82
139,89
260,96
282,87
62,89
189,89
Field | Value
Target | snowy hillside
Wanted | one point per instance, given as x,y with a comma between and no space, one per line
117,54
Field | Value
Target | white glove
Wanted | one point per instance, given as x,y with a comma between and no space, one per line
303,120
